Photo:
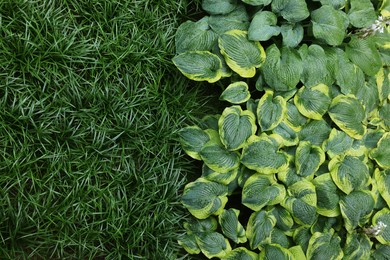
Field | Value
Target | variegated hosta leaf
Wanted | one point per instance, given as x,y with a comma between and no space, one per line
348,113
383,83
210,122
219,6
301,237
262,155
217,158
235,126
225,70
259,228
294,118
238,19
213,244
192,139
370,140
313,102
240,253
282,69
325,224
308,158
284,221
204,198
257,2
188,242
275,251
241,55
357,246
368,95
291,10
362,13
297,252
288,135
382,218
199,65
263,26
231,227
236,93
349,172
337,4
270,110
260,190
292,34
244,174
327,196
337,143
381,154
382,179
289,175
315,131
279,237
196,226
223,178
301,202
356,209
325,246
380,116
195,36
381,252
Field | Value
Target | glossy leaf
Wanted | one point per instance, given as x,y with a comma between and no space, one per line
325,246
219,6
271,110
192,139
337,143
381,154
308,159
292,34
263,26
231,227
361,13
213,244
313,102
259,228
327,196
236,93
291,10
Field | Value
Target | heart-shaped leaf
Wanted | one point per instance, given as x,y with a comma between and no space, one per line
313,102
219,6
362,13
327,196
236,93
308,159
263,26
291,10
292,34
270,110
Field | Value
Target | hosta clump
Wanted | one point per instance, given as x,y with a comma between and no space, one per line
298,165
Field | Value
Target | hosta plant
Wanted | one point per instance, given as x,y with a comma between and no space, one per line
297,166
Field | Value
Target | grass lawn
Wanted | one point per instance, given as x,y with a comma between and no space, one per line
90,104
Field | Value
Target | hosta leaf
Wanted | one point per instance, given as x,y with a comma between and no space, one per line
368,95
188,242
297,252
337,143
260,190
325,246
263,26
262,154
349,172
292,34
381,116
204,198
289,175
196,226
213,244
289,136
383,183
291,10
357,246
199,65
282,68
313,102
363,53
236,93
383,216
223,178
337,4
238,19
348,113
217,158
219,6
327,196
241,55
284,221
257,2
362,13
356,209
195,36
294,119
225,70
231,227
244,174
301,202
279,237
240,253
235,126
275,251
270,111
383,84
308,159
192,139
382,252
381,154
259,228
316,132
301,237
324,224
329,24
210,122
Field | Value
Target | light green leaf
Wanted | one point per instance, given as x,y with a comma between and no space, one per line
381,154
222,178
313,102
188,242
261,190
383,84
275,251
329,25
337,143
363,53
325,246
383,216
231,227
235,126
315,131
259,228
217,158
241,55
357,246
292,34
199,65
348,113
349,172
219,6
192,139
284,221
213,244
238,19
301,202
240,253
236,93
257,2
282,68
204,198
262,155
361,13
369,141
356,209
270,110
297,252
381,116
263,26
291,10
383,184
308,159
327,196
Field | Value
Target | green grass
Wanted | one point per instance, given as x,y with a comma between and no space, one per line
90,104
